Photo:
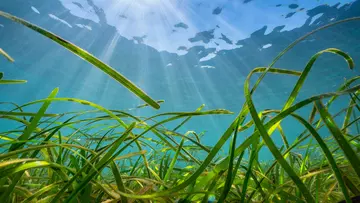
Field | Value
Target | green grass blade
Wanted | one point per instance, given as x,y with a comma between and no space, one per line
223,164
11,82
107,158
172,163
129,155
287,146
230,174
35,120
305,73
30,165
25,114
253,155
307,69
88,57
339,137
119,181
352,187
292,45
271,145
328,155
187,119
197,173
42,191
312,114
7,56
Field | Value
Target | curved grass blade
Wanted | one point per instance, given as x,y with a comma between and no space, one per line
88,57
35,120
195,174
328,155
107,158
42,191
339,137
271,145
20,191
299,140
223,164
305,73
307,69
292,45
188,118
31,165
4,164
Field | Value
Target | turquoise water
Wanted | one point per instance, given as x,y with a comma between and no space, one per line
186,52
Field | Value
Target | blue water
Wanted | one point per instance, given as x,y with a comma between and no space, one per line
185,52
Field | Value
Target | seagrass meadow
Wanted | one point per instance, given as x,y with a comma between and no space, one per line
110,155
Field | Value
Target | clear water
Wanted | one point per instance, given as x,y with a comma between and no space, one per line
185,52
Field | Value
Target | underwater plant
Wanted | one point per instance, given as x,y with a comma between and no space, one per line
2,81
105,155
